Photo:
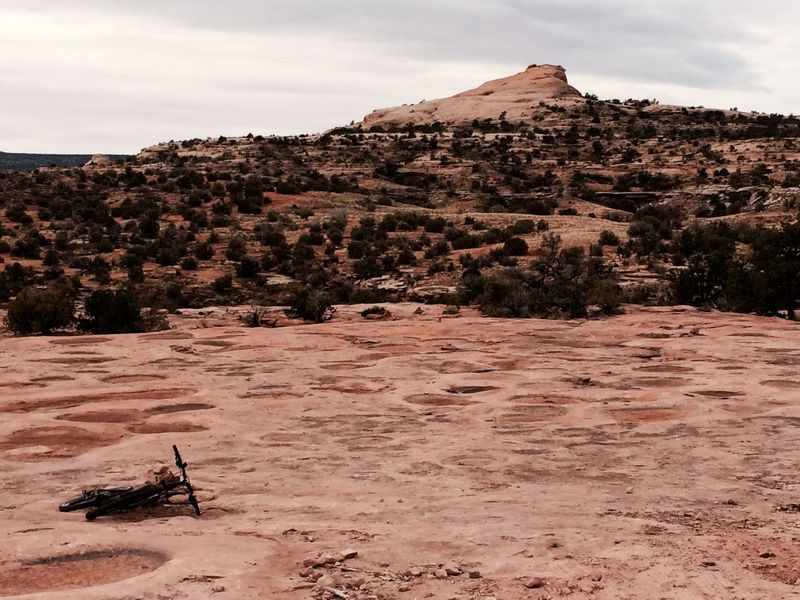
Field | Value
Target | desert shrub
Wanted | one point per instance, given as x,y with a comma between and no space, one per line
253,317
204,251
223,283
13,278
369,266
522,227
109,311
608,238
237,248
560,282
37,310
189,263
607,294
506,294
248,268
515,247
650,225
310,304
774,271
715,274
440,248
136,274
406,256
373,310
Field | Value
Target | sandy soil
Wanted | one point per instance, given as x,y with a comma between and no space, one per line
652,455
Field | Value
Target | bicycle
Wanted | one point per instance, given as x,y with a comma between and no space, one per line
102,501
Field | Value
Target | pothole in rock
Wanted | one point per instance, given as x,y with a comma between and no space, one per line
80,400
284,439
79,340
665,368
77,570
173,408
532,413
103,416
656,382
214,343
645,414
470,389
141,377
169,427
438,400
36,444
536,400
49,378
718,393
781,383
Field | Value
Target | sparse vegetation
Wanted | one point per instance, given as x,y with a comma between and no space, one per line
42,310
354,212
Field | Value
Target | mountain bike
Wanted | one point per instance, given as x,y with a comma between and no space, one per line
103,501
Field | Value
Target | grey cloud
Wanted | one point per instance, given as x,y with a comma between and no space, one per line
700,45
187,68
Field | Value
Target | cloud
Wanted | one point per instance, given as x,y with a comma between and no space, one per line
116,75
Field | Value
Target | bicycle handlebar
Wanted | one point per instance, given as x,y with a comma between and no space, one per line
181,464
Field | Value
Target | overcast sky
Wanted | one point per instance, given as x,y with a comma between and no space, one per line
91,76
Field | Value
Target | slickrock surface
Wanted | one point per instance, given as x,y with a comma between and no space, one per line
651,455
518,96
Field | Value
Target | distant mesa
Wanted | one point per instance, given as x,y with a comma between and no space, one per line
517,97
16,161
99,160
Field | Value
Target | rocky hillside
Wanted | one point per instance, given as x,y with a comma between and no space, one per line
429,205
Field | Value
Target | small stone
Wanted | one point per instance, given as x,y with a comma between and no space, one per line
404,588
323,559
708,563
440,574
534,583
452,570
415,571
653,530
217,589
766,554
474,574
307,572
349,553
629,490
325,581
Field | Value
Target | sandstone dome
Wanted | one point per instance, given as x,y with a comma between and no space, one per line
518,96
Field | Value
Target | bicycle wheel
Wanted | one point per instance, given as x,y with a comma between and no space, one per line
126,500
91,498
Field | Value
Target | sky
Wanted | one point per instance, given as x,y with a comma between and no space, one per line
114,76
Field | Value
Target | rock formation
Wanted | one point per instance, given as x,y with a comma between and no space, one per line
518,96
